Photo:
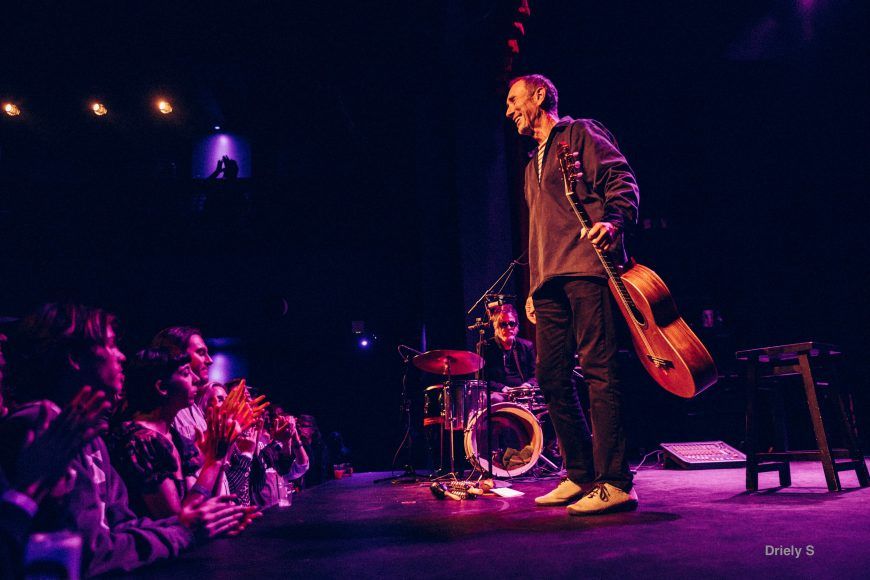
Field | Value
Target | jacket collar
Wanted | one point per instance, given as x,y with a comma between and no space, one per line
562,122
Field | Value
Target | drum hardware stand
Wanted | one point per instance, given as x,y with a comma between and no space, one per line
449,418
447,362
409,475
447,426
549,464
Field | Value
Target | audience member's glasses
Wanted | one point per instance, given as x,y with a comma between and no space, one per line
510,324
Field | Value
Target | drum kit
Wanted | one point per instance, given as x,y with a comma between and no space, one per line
519,436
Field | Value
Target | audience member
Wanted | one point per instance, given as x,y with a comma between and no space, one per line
318,453
189,341
286,432
61,349
159,465
41,469
252,459
214,393
172,434
191,420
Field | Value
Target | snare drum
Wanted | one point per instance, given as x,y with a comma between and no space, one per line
464,398
514,427
529,397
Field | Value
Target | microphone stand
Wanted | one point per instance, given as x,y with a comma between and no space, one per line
409,475
480,326
504,276
481,375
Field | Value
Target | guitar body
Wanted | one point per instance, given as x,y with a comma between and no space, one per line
668,349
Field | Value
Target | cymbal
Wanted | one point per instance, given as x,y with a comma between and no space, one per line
461,362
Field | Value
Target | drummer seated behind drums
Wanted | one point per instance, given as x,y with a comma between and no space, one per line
509,359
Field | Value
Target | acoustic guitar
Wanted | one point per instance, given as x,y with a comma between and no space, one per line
668,349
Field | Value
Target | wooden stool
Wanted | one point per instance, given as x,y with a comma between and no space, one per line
799,359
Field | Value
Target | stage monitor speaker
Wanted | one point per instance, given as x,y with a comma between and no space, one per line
702,455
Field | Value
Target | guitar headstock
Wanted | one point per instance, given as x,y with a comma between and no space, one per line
569,164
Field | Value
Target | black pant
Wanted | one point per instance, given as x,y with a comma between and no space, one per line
576,315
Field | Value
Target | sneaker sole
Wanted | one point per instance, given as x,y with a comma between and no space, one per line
559,503
628,506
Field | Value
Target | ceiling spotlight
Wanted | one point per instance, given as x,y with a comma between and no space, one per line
11,110
164,107
217,127
99,109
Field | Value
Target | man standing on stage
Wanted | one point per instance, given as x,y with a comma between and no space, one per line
569,299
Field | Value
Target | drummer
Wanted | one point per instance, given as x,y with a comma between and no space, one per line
509,359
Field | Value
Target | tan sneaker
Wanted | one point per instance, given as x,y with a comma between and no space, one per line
604,498
566,492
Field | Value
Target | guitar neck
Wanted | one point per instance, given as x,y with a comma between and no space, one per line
586,222
571,172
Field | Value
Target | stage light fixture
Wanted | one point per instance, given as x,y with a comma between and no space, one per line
164,107
217,127
11,109
99,109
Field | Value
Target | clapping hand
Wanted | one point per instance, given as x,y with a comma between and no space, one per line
243,410
215,516
251,513
247,443
285,429
228,421
51,446
222,431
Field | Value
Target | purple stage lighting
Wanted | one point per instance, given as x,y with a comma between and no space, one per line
364,342
229,359
211,148
227,366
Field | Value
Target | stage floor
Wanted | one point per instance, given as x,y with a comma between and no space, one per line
689,524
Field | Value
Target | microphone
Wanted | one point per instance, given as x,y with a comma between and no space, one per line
498,299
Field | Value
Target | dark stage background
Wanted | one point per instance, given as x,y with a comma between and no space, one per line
385,185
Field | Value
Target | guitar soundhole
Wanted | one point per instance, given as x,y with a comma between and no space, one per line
638,317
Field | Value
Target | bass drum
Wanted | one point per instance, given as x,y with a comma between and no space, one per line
517,440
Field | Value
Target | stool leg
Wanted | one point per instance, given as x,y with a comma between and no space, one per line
818,426
849,425
751,425
779,423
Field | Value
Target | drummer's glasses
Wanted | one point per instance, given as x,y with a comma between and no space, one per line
510,324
